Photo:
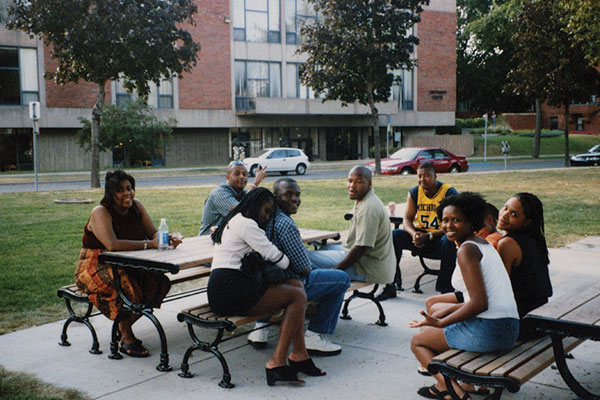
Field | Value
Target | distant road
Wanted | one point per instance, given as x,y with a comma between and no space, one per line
208,179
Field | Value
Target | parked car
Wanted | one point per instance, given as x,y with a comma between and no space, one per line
406,161
278,159
592,157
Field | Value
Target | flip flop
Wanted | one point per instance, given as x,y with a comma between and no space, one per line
431,392
134,349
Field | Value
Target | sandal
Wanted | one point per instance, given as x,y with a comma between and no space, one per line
481,390
423,371
307,367
134,349
283,373
431,392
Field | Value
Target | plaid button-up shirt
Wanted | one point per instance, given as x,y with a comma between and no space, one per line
284,234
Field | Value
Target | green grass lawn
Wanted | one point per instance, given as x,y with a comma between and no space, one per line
40,240
523,146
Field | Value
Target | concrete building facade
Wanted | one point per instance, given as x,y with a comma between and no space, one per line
244,91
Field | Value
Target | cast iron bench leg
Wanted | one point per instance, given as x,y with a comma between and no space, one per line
208,348
426,271
83,319
371,296
563,368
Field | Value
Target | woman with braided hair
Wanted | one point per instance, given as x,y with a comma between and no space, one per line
232,292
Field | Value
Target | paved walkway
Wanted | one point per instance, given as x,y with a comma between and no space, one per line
376,362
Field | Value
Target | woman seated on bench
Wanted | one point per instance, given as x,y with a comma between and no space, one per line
232,292
525,254
482,316
120,223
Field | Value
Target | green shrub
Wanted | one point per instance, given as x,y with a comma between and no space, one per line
470,123
383,152
543,134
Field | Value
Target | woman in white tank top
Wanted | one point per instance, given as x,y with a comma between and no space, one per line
481,318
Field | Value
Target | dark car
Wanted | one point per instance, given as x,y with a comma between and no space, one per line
406,161
592,157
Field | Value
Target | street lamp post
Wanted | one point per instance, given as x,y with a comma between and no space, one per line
485,118
34,114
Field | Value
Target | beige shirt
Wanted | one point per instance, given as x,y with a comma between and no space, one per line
371,227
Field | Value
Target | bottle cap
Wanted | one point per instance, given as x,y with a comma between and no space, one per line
163,220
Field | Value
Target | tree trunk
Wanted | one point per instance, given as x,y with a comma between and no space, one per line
567,158
375,129
538,128
95,156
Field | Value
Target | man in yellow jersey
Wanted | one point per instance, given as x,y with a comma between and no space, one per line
422,233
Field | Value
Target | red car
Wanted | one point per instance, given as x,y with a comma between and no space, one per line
406,161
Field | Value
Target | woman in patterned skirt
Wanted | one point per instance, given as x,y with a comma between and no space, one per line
119,223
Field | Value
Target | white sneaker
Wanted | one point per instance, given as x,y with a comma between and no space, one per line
316,345
258,338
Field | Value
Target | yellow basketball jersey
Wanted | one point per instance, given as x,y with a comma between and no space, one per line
426,218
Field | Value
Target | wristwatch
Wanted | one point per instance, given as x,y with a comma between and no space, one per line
430,236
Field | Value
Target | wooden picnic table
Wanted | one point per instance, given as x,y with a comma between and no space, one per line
193,254
576,315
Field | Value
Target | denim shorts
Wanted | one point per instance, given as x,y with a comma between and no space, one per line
482,335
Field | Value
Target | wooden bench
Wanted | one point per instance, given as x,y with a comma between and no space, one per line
568,320
499,370
203,317
72,293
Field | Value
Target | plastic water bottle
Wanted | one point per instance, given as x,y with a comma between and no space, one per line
163,235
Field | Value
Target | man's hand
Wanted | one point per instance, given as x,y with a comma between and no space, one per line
261,174
420,239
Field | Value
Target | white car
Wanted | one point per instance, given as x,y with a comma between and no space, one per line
278,159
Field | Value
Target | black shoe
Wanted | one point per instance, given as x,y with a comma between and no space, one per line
283,374
389,292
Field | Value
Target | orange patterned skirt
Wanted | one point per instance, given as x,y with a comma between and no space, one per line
139,286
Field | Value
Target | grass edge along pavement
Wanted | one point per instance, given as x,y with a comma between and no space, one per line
24,386
40,240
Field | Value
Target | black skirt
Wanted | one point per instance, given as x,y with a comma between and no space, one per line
232,292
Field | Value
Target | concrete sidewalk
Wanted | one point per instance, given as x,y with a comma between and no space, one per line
376,362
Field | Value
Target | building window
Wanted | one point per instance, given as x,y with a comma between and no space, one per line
122,96
295,88
256,79
297,14
579,125
18,76
553,123
402,90
160,96
256,21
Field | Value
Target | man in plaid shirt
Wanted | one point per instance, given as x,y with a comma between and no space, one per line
324,286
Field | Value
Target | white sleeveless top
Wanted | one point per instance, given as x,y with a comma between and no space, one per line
501,300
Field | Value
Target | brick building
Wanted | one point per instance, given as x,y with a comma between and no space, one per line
584,117
245,90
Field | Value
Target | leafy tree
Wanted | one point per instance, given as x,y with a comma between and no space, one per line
131,128
102,40
484,55
354,48
551,63
582,21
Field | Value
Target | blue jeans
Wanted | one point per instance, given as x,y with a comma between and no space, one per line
439,249
329,256
482,335
327,288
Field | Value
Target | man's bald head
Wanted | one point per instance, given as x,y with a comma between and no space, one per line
362,171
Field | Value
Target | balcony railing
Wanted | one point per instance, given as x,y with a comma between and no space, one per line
245,103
